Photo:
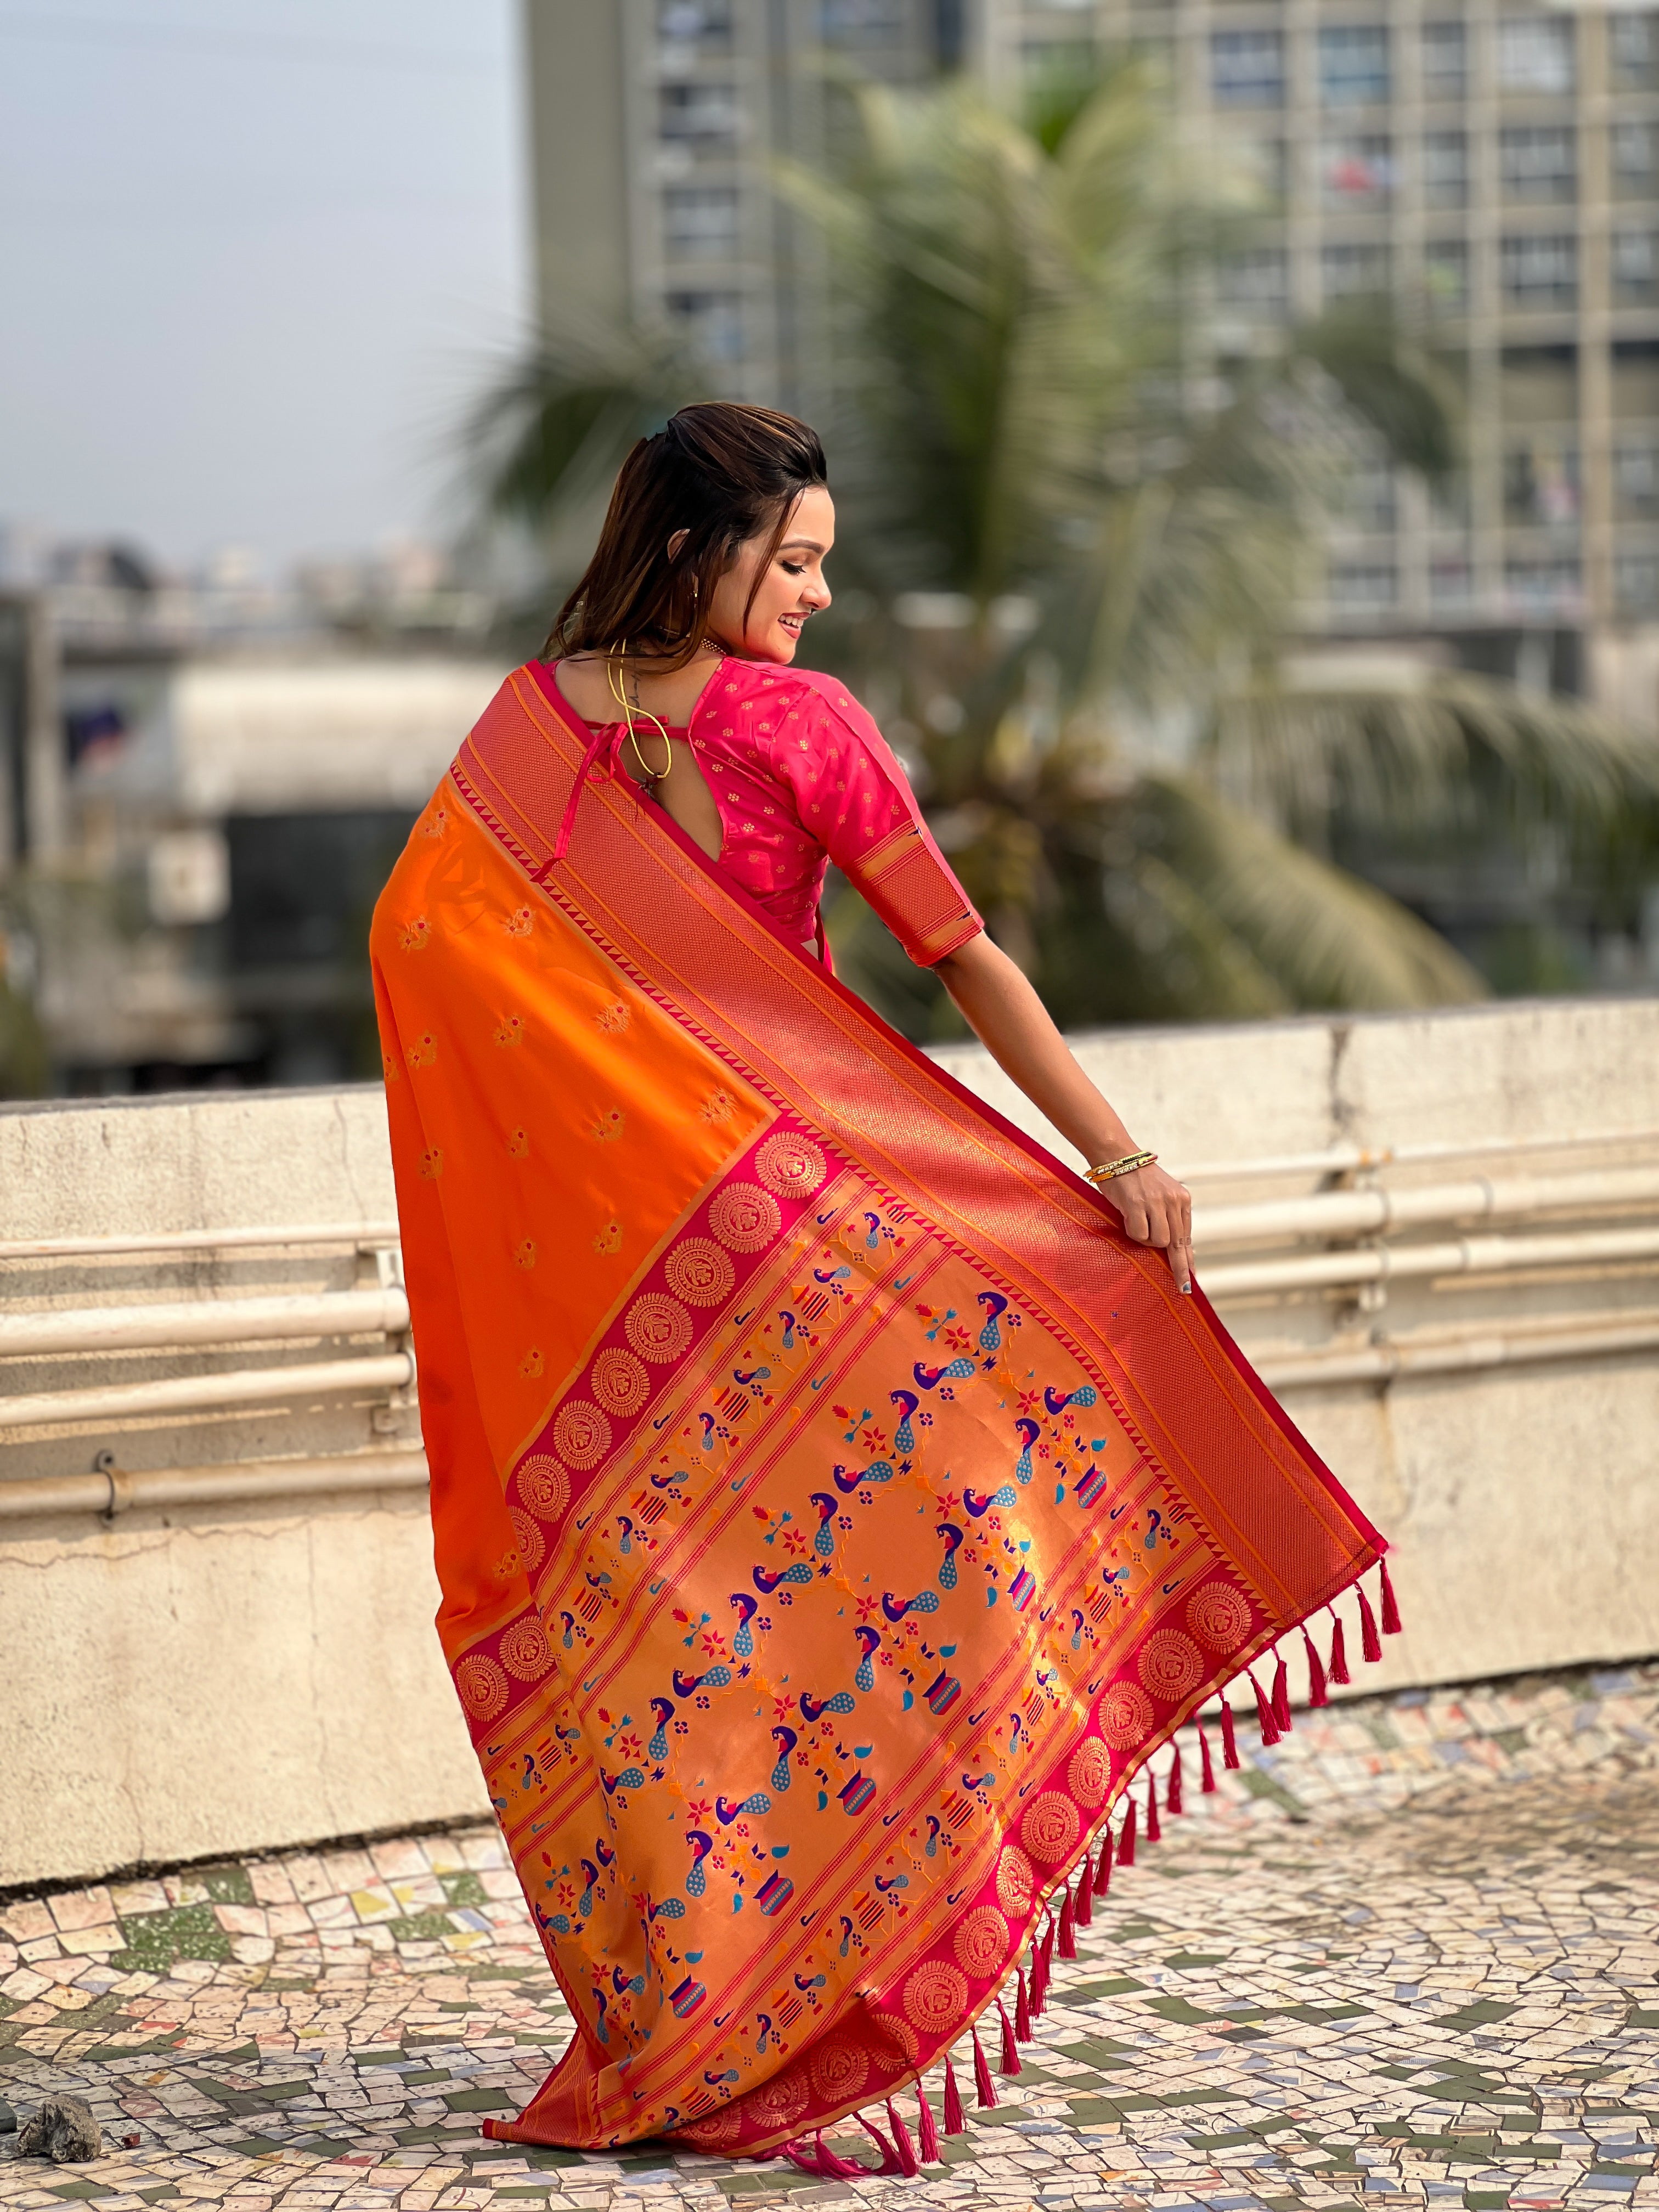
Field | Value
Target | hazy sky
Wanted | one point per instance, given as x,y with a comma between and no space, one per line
253,256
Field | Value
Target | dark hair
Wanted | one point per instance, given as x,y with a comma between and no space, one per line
719,472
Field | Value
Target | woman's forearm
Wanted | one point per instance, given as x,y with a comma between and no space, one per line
1012,1023
1015,1028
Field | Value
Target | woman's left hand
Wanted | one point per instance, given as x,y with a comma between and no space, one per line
1157,1210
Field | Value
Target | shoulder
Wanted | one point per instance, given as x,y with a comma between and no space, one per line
825,713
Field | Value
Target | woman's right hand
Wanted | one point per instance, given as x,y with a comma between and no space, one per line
1157,1210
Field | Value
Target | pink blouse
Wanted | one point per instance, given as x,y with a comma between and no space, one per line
801,777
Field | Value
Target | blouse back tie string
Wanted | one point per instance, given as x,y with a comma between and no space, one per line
607,738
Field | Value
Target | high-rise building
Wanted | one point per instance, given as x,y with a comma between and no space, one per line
656,126
1492,163
1496,165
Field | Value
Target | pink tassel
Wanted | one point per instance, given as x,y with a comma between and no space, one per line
1264,1714
955,2122
1206,1788
984,2089
821,2160
910,2165
1228,1740
1281,1693
927,2132
1045,1959
890,2162
1390,1610
1317,1693
1371,1643
1010,2065
1126,1842
1104,1865
1172,1795
1154,1833
1067,1944
1086,1893
1338,1652
1022,2007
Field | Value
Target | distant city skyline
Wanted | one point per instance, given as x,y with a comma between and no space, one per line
256,259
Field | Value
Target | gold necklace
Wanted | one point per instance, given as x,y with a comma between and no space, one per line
649,776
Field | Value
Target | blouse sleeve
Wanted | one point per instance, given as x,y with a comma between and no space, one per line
856,800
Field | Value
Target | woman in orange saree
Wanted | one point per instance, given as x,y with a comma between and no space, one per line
837,1500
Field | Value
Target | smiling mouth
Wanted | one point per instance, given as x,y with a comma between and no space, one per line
795,622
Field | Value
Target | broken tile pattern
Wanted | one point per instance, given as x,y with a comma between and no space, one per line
1411,1955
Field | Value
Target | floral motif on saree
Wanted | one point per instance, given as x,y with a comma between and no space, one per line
833,1512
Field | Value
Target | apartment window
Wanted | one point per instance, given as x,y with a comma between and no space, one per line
1359,584
1541,272
1633,49
1451,579
1354,65
1636,581
1255,282
1632,157
861,23
1541,483
1247,69
695,22
1445,61
1542,584
1537,164
1356,172
699,114
1368,500
1635,476
1445,168
701,222
1349,271
1446,275
1535,53
714,320
1635,266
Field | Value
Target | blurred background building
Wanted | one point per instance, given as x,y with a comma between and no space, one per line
1496,167
654,127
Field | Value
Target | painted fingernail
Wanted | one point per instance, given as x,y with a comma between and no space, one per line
1186,1289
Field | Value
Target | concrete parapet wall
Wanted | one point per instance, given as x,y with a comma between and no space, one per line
221,1677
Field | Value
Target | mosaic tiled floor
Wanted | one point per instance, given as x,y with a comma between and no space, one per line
1412,1954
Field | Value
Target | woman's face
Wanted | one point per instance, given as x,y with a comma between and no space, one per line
790,589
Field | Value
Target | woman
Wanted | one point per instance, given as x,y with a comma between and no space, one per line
836,1499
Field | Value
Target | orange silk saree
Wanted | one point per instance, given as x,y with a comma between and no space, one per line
834,1510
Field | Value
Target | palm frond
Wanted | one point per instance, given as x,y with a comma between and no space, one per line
1325,937
1418,747
1390,382
552,430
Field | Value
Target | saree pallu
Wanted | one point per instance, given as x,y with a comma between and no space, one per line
833,1509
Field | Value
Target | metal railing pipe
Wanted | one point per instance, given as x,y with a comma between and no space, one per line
197,1240
1360,1212
93,1329
192,1394
1347,1159
1459,1354
119,1489
1465,1255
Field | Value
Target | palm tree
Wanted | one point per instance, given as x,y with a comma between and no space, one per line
1075,538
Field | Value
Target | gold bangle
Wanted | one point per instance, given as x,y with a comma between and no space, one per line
1113,1169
